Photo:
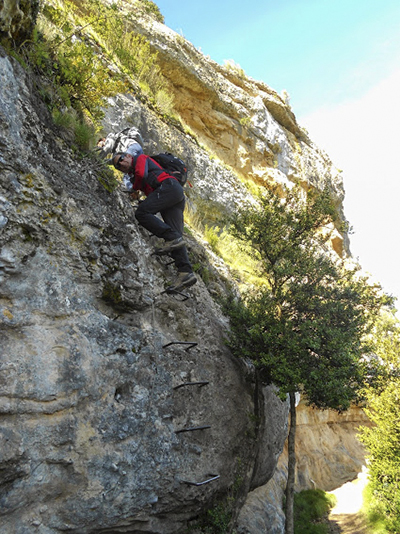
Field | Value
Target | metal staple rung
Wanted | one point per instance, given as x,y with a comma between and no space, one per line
190,344
213,477
192,429
173,292
201,384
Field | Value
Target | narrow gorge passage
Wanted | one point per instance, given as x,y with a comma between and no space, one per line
346,517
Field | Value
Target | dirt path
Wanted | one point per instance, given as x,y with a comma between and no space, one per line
346,516
348,524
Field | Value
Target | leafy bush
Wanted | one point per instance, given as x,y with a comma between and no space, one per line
152,9
75,130
105,174
73,48
382,440
64,120
383,447
375,515
72,74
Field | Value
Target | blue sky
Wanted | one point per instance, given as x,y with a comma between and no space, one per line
339,60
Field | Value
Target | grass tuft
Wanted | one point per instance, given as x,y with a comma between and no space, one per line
310,507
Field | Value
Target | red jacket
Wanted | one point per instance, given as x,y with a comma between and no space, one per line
147,174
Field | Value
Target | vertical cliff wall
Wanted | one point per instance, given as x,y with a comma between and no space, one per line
241,121
95,358
97,362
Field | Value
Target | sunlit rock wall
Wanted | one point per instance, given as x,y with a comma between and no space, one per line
88,404
92,351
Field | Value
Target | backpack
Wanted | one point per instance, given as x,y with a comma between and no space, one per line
120,141
173,165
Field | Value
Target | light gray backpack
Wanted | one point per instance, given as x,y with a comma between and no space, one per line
119,142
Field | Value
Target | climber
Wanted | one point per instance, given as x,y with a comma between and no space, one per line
134,150
164,195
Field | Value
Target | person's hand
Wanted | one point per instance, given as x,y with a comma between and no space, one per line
135,195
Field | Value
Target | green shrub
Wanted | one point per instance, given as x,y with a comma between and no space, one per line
72,75
218,519
152,9
65,120
382,438
83,135
374,513
77,131
71,50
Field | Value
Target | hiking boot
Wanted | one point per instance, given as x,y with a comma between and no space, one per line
170,246
182,280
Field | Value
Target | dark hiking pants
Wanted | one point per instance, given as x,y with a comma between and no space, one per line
169,201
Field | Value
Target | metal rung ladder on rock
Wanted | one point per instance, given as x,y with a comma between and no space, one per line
190,344
213,477
175,293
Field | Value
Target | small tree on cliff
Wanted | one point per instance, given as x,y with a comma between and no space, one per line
305,329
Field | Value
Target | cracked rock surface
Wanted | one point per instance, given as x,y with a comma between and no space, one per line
92,354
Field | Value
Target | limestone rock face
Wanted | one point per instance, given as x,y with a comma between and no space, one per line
243,122
93,354
327,434
328,454
262,511
100,370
